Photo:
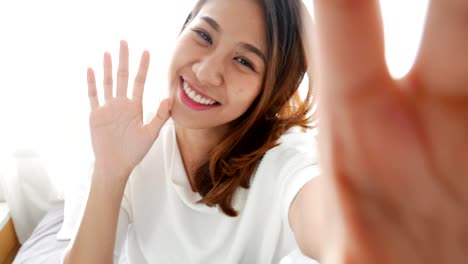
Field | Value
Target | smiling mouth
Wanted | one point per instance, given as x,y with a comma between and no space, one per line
196,97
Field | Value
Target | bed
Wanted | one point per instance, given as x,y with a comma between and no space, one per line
43,247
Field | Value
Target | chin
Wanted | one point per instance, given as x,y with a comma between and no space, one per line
182,119
188,120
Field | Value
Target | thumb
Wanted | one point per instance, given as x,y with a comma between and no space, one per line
163,114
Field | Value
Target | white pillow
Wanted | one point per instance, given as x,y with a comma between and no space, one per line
76,192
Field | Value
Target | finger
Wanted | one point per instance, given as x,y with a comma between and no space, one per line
122,73
92,91
307,35
163,114
442,63
140,78
349,45
107,76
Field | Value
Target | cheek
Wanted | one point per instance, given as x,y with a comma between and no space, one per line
246,92
181,53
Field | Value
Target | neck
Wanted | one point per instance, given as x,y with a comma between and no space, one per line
195,146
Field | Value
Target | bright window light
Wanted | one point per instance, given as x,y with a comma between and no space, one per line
47,45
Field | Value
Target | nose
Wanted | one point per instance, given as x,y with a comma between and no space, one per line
209,70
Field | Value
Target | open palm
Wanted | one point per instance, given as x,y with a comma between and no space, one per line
120,139
394,152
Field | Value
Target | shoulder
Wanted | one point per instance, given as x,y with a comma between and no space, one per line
296,151
295,144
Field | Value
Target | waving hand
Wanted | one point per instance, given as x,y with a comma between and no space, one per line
394,152
119,137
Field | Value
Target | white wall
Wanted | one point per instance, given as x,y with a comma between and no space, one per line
46,46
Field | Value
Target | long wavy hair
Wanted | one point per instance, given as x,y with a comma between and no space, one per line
277,108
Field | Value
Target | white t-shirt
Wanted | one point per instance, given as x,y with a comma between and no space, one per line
162,222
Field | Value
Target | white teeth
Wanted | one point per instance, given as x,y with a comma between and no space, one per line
191,94
197,97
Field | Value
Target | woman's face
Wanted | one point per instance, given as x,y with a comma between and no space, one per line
219,64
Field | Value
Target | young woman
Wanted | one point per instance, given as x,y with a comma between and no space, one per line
228,179
212,177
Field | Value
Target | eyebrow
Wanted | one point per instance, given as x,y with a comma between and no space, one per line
254,50
212,23
244,45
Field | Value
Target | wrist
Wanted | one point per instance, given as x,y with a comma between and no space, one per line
110,176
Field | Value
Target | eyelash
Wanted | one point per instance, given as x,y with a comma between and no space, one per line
245,63
206,37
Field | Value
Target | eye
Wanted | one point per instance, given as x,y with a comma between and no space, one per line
245,63
205,36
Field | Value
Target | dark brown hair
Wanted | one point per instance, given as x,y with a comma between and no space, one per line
277,108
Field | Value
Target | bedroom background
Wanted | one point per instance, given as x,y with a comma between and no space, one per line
45,48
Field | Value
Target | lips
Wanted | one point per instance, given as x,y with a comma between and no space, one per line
195,96
194,99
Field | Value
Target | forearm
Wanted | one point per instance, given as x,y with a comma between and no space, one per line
95,240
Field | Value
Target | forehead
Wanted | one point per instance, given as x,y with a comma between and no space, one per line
242,20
